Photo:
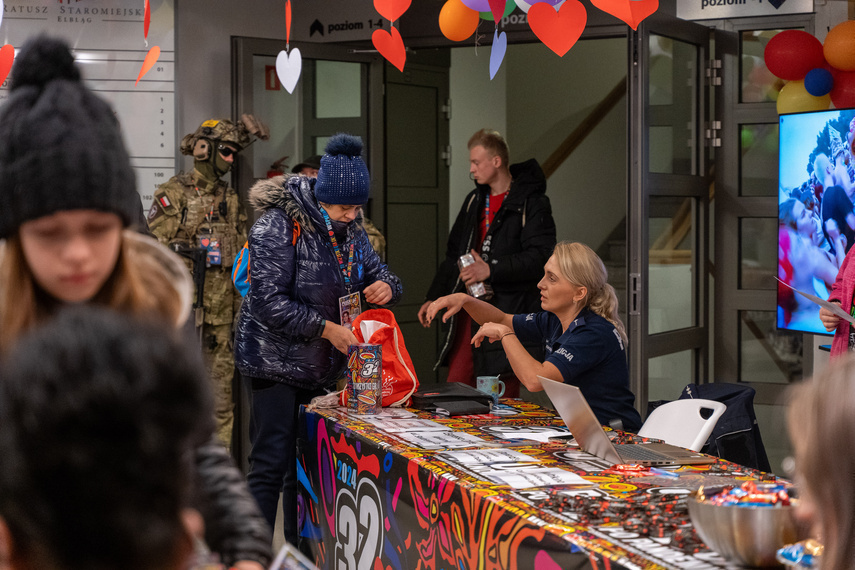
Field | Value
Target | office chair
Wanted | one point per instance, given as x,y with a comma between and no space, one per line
682,422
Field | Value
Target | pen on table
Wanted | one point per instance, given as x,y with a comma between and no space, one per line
664,472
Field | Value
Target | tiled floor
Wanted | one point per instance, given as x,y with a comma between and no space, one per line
278,532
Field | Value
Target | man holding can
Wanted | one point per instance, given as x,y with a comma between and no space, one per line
505,224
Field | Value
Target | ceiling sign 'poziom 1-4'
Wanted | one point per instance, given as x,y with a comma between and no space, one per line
714,9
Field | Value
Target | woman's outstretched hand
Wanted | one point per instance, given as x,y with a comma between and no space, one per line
491,332
340,337
451,303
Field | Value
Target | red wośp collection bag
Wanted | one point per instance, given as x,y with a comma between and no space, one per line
378,326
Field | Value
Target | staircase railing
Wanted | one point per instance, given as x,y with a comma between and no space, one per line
578,135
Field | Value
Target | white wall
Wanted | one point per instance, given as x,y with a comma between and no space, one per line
477,103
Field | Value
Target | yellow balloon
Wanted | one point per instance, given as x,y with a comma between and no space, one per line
457,21
794,98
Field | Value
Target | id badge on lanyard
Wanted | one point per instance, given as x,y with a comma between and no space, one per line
349,307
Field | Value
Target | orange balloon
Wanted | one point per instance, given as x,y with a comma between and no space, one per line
457,21
839,46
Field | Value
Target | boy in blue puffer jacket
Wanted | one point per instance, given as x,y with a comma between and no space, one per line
290,345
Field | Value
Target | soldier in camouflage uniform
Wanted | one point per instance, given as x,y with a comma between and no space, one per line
199,210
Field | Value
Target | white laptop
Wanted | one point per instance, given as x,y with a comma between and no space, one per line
591,437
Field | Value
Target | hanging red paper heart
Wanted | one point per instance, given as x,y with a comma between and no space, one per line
391,46
630,11
146,19
497,7
391,9
559,30
7,56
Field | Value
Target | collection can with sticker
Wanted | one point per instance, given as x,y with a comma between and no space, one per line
365,378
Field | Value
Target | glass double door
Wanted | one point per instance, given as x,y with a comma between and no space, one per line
669,187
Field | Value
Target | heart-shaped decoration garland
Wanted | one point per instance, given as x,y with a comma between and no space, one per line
391,46
149,61
392,9
497,7
288,68
497,52
560,30
630,11
7,57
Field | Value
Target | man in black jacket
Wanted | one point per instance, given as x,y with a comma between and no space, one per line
506,224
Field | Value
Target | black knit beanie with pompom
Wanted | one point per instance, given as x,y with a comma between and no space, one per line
60,144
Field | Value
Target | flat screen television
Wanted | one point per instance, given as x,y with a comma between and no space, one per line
816,219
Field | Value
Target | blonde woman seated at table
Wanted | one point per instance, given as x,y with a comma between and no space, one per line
584,338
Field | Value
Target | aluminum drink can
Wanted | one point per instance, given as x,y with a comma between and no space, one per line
365,378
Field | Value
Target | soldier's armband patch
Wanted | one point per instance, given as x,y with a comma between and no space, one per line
162,205
164,202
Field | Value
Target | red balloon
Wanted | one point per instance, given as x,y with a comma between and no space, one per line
792,53
843,92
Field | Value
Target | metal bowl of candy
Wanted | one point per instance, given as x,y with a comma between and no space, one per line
746,524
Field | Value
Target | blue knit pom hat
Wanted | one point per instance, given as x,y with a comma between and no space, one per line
343,177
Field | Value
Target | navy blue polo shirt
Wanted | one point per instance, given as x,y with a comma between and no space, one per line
590,354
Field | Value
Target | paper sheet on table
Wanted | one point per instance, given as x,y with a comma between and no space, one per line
833,307
398,425
540,478
541,435
489,456
441,439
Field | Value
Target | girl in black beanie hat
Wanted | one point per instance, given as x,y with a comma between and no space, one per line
68,199
68,193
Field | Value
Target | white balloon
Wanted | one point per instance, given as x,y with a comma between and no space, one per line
524,6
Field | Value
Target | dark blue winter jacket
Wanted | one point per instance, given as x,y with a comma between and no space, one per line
296,285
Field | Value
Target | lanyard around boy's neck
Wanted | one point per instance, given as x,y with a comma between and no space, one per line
338,254
487,214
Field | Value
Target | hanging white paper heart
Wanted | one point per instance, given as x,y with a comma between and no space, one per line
288,68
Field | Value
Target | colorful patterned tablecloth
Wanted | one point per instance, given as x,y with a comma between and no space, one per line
410,490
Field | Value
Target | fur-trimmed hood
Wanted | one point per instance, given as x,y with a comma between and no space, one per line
295,195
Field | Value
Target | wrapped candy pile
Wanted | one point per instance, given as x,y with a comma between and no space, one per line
751,494
804,554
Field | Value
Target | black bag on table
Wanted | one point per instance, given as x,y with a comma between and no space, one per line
452,399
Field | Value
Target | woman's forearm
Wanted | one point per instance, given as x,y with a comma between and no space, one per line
525,366
483,312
